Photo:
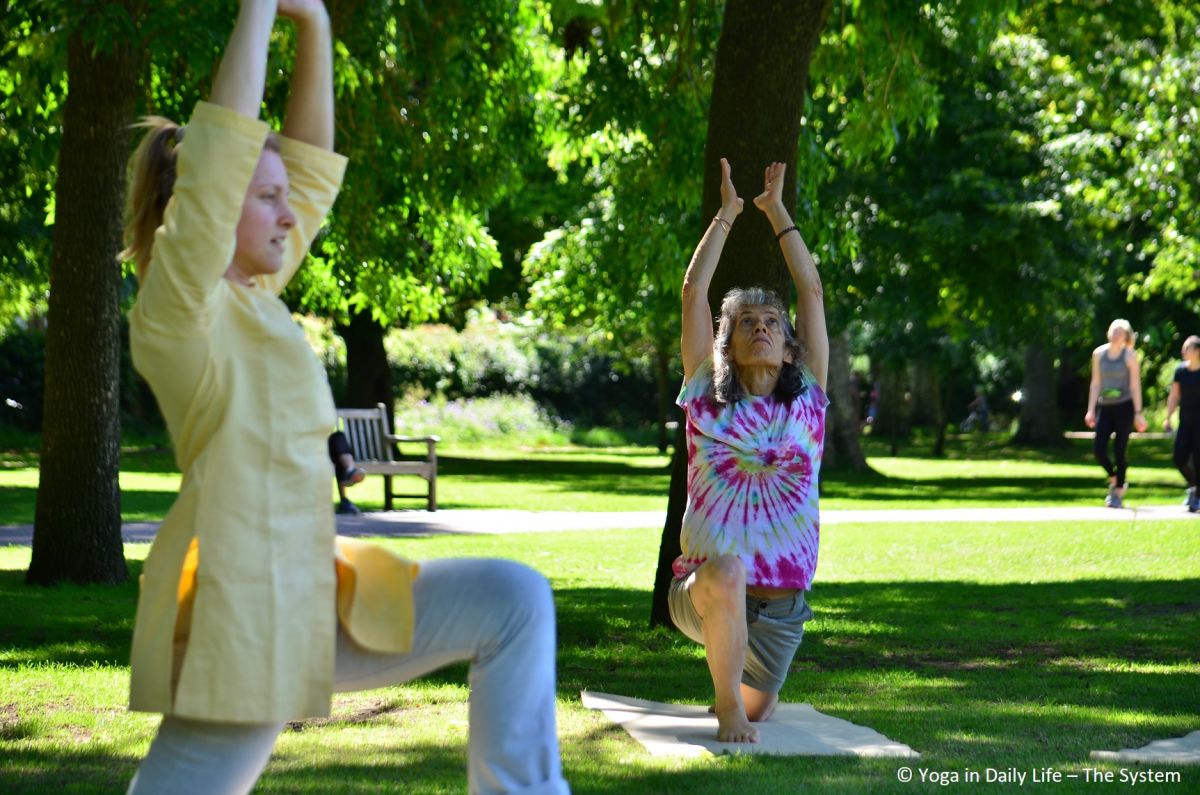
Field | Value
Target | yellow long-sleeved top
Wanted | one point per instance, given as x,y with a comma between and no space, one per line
245,629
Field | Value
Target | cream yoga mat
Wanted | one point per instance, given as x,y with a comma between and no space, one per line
1178,751
689,730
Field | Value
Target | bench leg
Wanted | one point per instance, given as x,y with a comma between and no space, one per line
433,492
387,492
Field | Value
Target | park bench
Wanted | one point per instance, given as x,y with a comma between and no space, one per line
372,445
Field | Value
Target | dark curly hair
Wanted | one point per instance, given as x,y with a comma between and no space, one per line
726,387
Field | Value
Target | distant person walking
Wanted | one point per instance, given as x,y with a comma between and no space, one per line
1115,405
977,419
1185,395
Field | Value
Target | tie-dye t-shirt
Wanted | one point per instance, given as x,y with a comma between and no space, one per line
752,481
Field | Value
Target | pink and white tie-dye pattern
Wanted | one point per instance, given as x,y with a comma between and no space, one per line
752,482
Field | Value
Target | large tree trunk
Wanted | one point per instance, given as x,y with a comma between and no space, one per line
842,448
669,548
77,524
753,119
662,360
368,377
939,443
1039,424
928,406
893,404
924,391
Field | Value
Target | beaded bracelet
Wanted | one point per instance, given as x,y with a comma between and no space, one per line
792,228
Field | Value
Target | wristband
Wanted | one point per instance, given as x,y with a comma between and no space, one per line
792,228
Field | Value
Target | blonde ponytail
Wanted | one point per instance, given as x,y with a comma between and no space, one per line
151,182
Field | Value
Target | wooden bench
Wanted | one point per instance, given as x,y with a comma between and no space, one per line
372,445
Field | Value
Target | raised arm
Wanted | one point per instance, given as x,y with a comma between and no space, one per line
810,295
243,70
1089,419
697,340
309,116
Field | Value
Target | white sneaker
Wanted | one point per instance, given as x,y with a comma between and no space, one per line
1189,498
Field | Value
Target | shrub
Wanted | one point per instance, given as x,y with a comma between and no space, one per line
517,418
566,374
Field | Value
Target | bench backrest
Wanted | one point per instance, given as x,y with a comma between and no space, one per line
366,430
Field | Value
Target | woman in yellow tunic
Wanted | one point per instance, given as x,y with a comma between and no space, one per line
250,613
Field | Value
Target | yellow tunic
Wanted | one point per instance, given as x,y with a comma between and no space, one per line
246,631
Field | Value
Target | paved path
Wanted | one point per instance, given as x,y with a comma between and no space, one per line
463,522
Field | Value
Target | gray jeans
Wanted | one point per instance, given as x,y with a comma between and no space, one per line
497,614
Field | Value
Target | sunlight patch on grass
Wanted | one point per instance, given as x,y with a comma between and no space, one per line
1118,665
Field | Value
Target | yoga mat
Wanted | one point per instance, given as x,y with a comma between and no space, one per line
1178,751
689,730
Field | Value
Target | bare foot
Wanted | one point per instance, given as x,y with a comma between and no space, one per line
733,727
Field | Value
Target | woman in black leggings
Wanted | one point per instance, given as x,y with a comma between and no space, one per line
1115,404
1185,393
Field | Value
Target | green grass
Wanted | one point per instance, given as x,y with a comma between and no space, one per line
977,471
998,645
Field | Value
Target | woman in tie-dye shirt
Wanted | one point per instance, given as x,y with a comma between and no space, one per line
755,403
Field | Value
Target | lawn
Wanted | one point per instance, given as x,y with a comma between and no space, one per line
995,645
978,470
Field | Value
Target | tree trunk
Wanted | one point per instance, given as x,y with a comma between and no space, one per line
842,448
924,392
368,377
669,547
928,408
662,360
893,404
759,86
754,118
1039,424
77,524
939,443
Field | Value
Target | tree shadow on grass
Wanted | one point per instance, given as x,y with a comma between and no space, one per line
66,623
602,477
89,769
998,446
18,503
968,674
1008,491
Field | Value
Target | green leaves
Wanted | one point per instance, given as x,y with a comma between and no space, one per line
1119,118
876,72
439,114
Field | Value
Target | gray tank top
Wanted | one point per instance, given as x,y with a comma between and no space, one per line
1114,379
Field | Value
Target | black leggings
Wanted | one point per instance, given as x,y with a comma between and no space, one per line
339,446
1114,419
1187,450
